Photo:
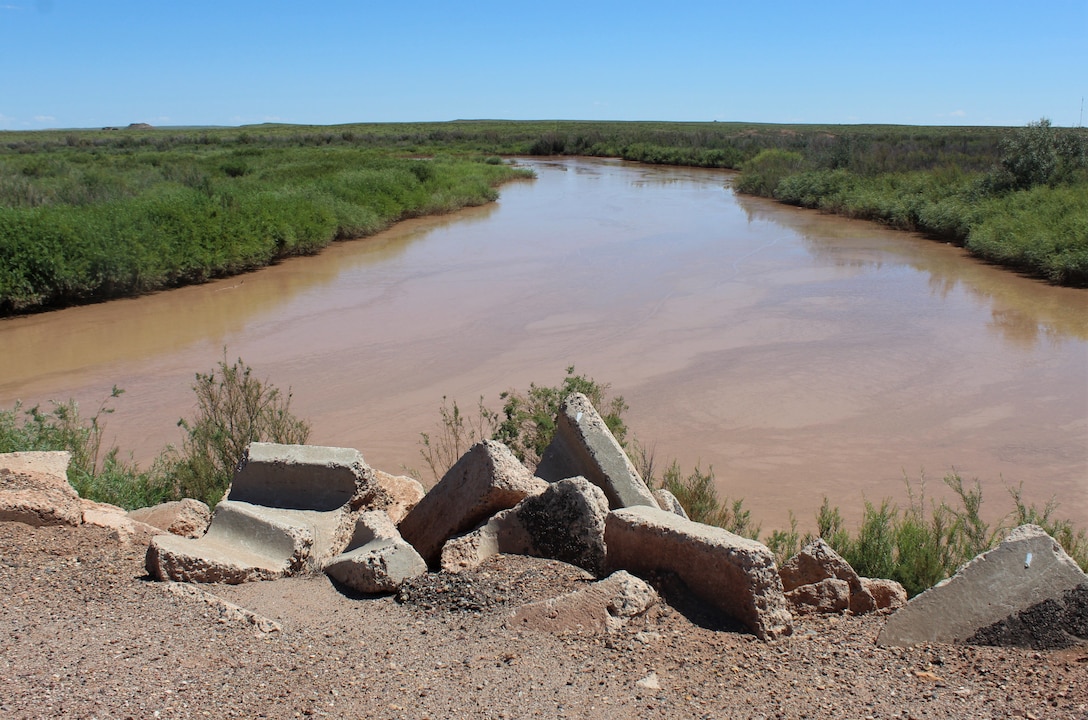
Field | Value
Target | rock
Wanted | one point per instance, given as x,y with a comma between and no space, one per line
1052,624
829,595
380,566
116,518
281,517
303,477
565,522
667,501
34,489
1027,569
604,606
888,594
244,543
487,479
816,562
187,518
399,494
583,445
650,682
734,574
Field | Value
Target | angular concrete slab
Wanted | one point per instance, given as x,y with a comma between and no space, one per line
34,489
399,494
732,573
244,542
1028,568
565,522
487,479
583,445
302,477
289,510
380,566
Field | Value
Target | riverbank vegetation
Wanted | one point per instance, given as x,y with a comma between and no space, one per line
89,215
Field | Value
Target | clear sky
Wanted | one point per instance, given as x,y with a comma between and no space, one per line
90,63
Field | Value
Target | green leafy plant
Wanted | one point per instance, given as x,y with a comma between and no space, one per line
234,408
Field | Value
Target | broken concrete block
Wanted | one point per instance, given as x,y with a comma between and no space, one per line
1027,569
565,522
583,445
34,489
734,574
380,566
398,495
244,542
487,479
888,594
667,501
818,561
302,477
830,595
187,518
604,606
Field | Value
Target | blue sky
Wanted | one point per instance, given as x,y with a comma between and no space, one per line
90,63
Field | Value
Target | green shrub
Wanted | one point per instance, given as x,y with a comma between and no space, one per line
762,174
233,409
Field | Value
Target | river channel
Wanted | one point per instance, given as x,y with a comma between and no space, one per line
799,355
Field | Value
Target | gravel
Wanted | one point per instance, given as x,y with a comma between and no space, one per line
88,635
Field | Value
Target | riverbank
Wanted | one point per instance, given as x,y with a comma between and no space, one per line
92,215
84,222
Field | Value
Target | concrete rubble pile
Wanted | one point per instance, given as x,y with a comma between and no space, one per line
295,509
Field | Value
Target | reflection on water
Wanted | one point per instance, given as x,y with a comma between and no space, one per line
799,354
1024,310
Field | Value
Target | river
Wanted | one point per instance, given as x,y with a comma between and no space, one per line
799,355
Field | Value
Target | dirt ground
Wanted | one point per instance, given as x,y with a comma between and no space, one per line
86,634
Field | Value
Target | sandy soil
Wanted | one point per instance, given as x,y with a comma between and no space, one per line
87,634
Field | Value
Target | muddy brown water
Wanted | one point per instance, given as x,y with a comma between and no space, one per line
799,355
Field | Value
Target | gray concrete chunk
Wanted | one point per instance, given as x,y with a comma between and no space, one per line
732,573
583,445
604,606
302,477
565,522
1027,569
34,489
487,479
380,566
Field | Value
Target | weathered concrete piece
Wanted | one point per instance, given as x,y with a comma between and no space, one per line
583,445
830,595
187,518
34,489
888,594
732,573
280,518
302,477
565,522
816,562
1049,625
244,542
376,560
116,518
487,479
380,566
1028,568
604,606
667,501
397,495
